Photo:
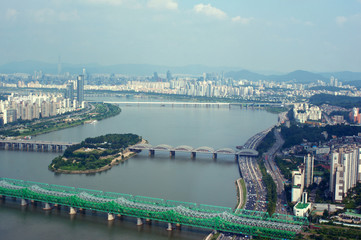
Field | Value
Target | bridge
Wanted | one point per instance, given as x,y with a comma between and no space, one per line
193,151
195,104
29,145
72,199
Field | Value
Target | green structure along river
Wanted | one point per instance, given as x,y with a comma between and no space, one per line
201,180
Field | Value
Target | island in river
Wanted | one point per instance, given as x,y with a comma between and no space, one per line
95,154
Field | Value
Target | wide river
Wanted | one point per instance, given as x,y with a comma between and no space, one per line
201,180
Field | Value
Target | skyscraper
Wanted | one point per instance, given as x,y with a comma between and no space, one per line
308,162
69,93
169,75
80,89
59,65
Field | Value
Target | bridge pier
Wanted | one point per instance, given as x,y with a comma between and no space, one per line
214,156
236,158
72,211
151,153
46,206
172,154
178,225
193,155
169,228
23,202
139,222
111,217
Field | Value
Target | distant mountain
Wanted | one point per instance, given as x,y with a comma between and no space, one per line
298,76
244,74
131,69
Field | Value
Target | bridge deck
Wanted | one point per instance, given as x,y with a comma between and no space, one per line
197,215
36,142
185,148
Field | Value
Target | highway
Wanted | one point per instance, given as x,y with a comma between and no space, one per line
274,171
256,192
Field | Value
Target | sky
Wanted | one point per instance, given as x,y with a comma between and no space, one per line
258,35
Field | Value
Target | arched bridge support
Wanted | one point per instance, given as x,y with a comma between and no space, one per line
236,158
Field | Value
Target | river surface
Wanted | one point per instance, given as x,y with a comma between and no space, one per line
202,180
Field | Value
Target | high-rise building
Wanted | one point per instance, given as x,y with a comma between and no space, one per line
69,92
59,65
80,89
85,74
298,179
155,77
308,162
169,75
355,116
345,170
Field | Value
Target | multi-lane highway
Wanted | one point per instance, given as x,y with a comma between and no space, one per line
256,192
274,171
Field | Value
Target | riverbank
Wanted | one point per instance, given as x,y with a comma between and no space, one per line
118,158
241,193
96,112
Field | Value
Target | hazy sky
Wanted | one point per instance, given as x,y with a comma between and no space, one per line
276,35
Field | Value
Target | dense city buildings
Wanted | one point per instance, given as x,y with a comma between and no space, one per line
345,170
35,106
211,85
302,112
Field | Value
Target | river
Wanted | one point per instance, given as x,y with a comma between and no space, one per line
202,180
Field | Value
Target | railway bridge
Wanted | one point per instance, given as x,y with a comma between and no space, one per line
73,199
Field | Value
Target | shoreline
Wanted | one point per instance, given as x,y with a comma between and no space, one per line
116,161
76,123
240,196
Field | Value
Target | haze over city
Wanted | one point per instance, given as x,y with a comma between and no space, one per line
269,36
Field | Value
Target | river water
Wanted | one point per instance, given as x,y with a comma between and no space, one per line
202,180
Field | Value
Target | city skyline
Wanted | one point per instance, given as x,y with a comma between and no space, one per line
279,36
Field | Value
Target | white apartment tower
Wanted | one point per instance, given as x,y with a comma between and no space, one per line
308,163
345,170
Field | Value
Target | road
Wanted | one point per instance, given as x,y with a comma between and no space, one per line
256,191
274,171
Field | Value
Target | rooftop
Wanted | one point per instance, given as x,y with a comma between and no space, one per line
302,205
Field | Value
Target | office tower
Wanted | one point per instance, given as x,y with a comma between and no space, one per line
85,75
308,163
69,93
59,65
169,76
80,89
155,76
